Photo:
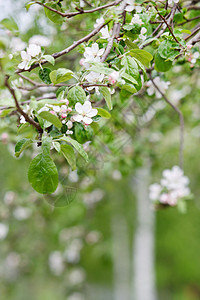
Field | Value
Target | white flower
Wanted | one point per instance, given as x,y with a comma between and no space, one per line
92,54
85,112
104,31
69,124
154,191
25,60
163,86
136,20
75,296
131,6
94,77
174,179
40,40
56,263
173,1
44,108
3,231
33,50
22,120
22,213
142,33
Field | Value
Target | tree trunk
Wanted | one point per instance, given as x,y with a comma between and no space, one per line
143,247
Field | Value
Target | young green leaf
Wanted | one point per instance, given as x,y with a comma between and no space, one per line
53,16
106,93
43,174
143,56
76,145
76,94
44,75
60,75
21,145
69,154
103,113
46,115
50,59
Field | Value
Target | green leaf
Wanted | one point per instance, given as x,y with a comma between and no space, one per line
106,93
161,64
10,24
100,68
76,94
69,154
130,88
53,16
43,174
5,112
103,113
28,4
129,78
21,145
60,75
143,56
23,128
51,118
44,75
50,59
130,66
56,146
76,145
167,50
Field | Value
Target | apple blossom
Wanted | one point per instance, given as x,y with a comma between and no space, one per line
114,76
173,2
26,58
142,33
163,86
85,112
104,31
136,20
3,231
131,6
33,50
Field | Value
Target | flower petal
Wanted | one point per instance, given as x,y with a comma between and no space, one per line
87,120
78,118
87,106
79,107
93,112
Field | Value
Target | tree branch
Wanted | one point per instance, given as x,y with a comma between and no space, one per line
181,118
72,14
19,109
68,49
115,34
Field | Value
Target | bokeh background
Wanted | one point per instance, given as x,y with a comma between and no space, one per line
99,245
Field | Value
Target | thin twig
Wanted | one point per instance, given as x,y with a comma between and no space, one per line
19,109
193,33
72,14
181,118
189,20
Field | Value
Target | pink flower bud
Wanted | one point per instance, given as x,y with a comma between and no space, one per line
67,102
81,62
4,137
69,109
63,116
52,112
189,47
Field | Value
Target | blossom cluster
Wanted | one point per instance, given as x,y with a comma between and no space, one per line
172,188
33,51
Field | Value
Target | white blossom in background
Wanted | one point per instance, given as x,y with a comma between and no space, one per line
173,186
142,33
85,112
3,231
130,6
93,237
163,86
94,77
9,197
136,20
40,40
22,213
92,198
17,44
72,252
77,276
56,263
116,175
104,31
75,296
173,2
